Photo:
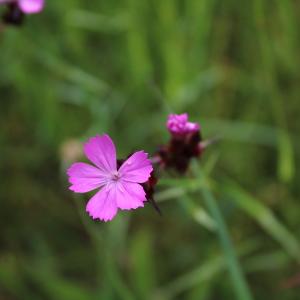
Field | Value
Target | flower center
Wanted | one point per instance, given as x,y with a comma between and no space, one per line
115,176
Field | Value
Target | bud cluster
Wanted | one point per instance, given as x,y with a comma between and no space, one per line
17,9
128,183
183,145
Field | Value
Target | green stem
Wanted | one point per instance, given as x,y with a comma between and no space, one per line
113,280
238,280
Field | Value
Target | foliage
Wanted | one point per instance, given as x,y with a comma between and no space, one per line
87,67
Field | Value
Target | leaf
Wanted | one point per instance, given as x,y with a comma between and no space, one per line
264,216
143,263
203,273
286,169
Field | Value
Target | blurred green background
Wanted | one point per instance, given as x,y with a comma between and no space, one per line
86,67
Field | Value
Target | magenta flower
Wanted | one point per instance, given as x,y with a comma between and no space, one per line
27,6
185,144
119,188
178,124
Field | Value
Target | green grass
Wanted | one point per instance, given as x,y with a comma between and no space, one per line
88,67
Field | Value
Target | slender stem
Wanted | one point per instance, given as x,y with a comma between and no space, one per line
113,280
240,285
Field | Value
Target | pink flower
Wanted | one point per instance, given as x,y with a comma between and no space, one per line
119,188
31,6
27,6
179,125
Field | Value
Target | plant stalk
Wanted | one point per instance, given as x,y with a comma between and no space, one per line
240,285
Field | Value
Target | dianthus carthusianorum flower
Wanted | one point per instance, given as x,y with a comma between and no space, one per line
120,188
26,6
179,124
185,143
31,6
17,9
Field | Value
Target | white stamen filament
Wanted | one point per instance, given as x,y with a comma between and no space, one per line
115,175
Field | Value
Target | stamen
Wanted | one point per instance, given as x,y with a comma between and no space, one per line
115,175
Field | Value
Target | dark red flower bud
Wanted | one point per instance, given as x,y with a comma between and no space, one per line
183,146
13,15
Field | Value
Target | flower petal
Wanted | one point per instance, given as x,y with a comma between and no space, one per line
103,204
31,6
130,195
85,178
102,152
136,168
178,124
